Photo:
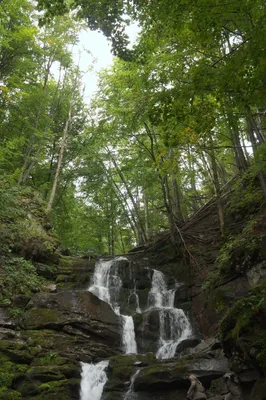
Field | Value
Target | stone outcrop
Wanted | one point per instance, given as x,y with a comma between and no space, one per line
80,320
167,379
57,330
209,307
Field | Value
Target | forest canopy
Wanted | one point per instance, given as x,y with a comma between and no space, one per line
176,118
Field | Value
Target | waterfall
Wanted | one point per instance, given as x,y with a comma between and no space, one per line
93,379
158,290
130,393
174,325
174,328
134,294
129,340
106,285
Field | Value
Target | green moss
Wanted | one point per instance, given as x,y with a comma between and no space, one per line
16,352
8,394
52,385
51,359
131,359
260,343
244,326
240,315
6,379
18,276
55,390
259,390
123,373
40,317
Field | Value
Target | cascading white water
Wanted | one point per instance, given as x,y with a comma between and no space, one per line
130,395
158,290
174,328
134,294
129,340
174,325
106,285
93,379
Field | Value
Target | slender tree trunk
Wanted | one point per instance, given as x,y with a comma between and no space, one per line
254,144
123,201
217,187
168,207
146,214
192,181
24,174
135,207
60,156
177,201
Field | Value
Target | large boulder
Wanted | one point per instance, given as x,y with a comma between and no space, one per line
243,335
74,272
170,374
147,330
257,274
209,307
76,322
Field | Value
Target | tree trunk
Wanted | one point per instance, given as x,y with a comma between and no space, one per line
25,172
176,201
254,144
135,207
217,186
123,201
60,156
146,214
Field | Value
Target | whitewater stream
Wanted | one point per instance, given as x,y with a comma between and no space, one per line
174,326
106,286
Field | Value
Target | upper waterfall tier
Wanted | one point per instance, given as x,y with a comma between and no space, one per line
157,325
107,285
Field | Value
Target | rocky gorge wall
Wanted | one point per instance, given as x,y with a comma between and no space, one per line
42,348
46,333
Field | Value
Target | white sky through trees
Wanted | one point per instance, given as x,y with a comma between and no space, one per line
94,53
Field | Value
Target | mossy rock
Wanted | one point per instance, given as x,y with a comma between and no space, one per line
52,385
63,278
44,373
46,271
242,330
259,390
28,388
56,390
131,359
50,359
160,375
40,317
6,379
16,352
122,373
53,363
9,394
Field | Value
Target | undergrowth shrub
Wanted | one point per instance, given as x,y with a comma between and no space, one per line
245,319
17,276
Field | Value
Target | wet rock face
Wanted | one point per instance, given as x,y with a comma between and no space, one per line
41,360
73,272
78,313
135,280
147,330
168,379
257,274
209,307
